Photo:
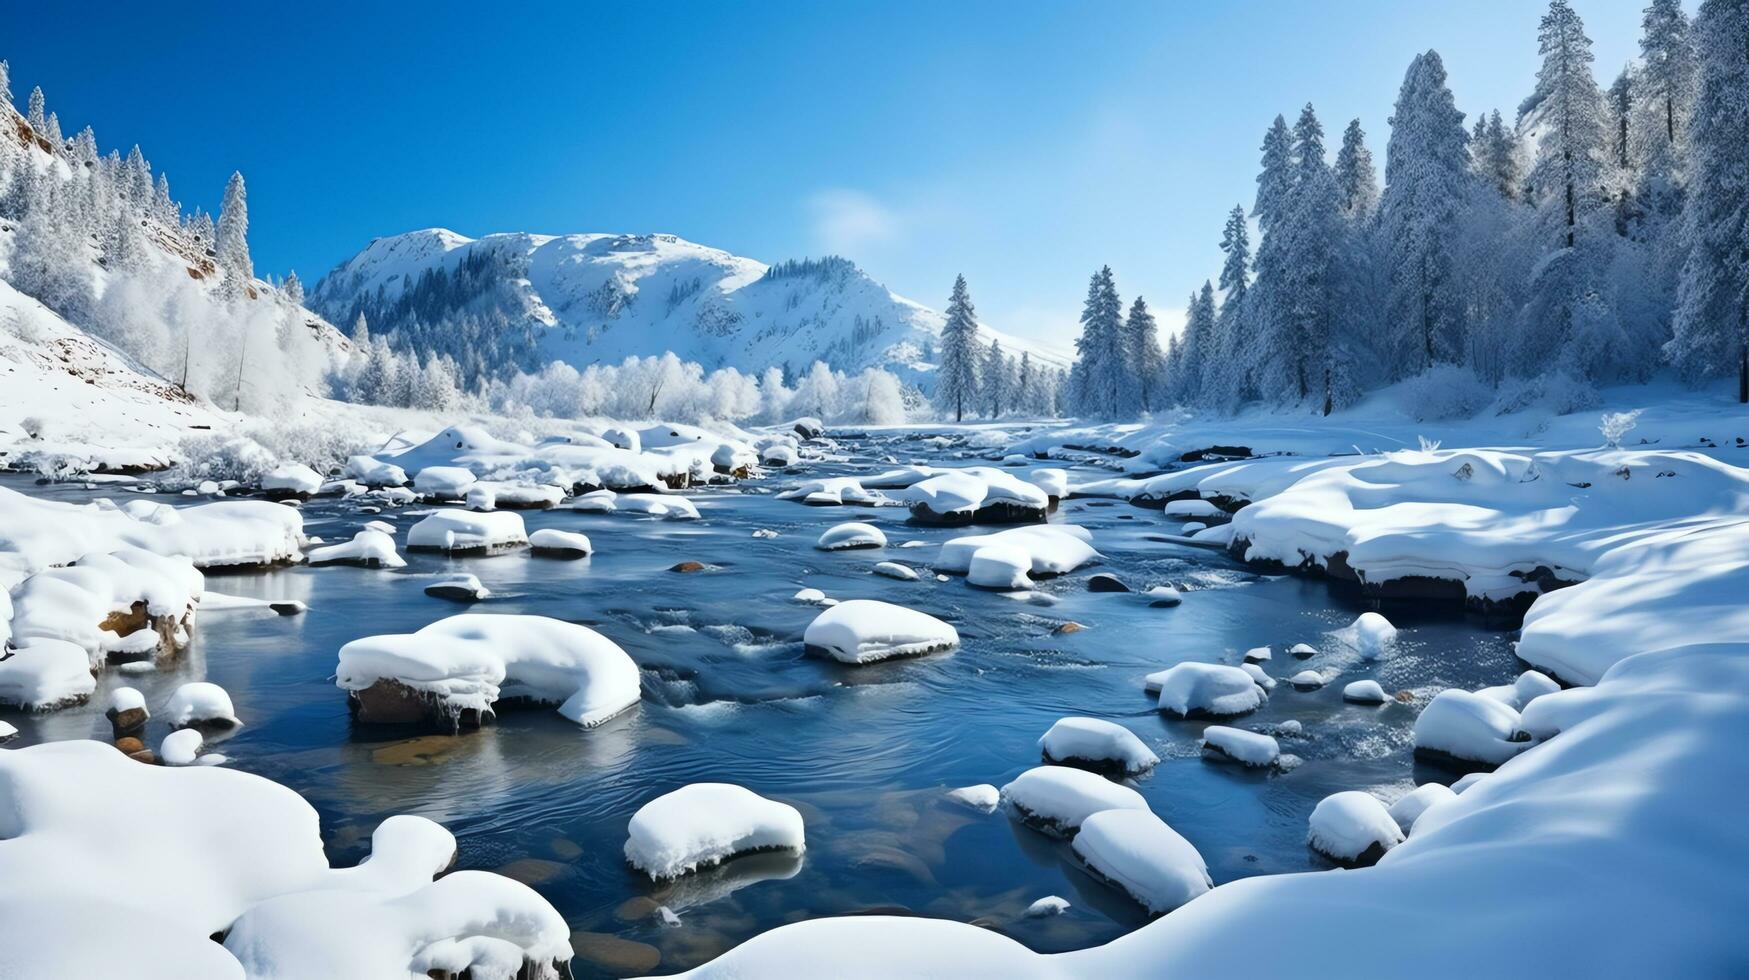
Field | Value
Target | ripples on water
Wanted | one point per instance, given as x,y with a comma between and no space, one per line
865,753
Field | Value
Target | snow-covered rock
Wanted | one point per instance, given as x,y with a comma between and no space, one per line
1096,743
852,535
1307,680
861,631
778,455
1258,675
1047,906
813,597
1258,655
835,491
368,549
982,797
673,508
1163,596
457,531
181,747
1000,566
45,674
974,494
373,472
443,482
895,570
1412,804
1051,549
126,604
1303,651
458,668
1138,853
1364,692
203,705
1352,828
460,587
1238,745
1372,634
1056,799
1465,730
1191,690
554,543
291,480
704,824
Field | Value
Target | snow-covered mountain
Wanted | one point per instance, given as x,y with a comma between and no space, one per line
601,297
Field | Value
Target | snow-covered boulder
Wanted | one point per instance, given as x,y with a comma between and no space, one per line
673,508
461,587
1258,675
509,495
1000,566
1047,906
1371,634
895,570
367,549
704,824
836,491
975,494
852,535
1527,687
46,674
1414,803
1051,549
1258,655
1240,746
443,482
1053,481
127,713
862,631
1303,651
1307,680
778,455
464,532
1135,851
1364,692
291,481
234,854
129,604
1163,597
982,797
455,670
554,543
375,473
1097,744
1467,731
181,747
1352,828
1056,799
202,705
808,427
1195,690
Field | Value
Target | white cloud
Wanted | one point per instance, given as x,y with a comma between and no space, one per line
852,223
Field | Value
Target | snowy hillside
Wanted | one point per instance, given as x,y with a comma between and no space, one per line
602,298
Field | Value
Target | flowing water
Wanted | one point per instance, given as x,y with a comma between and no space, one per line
866,753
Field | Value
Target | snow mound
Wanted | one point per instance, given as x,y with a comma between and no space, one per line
1238,745
373,472
1137,852
1056,799
1414,803
1050,549
222,850
1163,596
46,674
704,824
129,604
893,569
834,491
1307,680
201,704
1364,692
975,494
980,797
461,666
862,631
1352,827
851,535
645,504
1190,690
461,587
368,549
1468,731
1094,742
181,747
443,482
560,544
1000,566
1371,634
291,480
463,531
1049,905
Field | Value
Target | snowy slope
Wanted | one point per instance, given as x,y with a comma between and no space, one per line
607,297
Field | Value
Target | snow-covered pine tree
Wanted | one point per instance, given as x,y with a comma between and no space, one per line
1100,350
996,391
34,113
1146,362
1568,107
1618,104
1313,230
233,239
5,84
1659,123
1270,323
1226,377
361,330
293,289
1427,183
1711,322
1495,151
1026,385
1357,183
956,379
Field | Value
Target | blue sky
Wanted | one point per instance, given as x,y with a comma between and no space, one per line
1023,144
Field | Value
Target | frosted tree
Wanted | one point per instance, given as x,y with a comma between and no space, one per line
34,114
232,246
1427,184
956,379
293,289
5,83
360,329
1146,362
1494,149
1226,380
1313,232
1275,180
1711,322
1026,385
1100,366
996,391
1618,104
1357,183
1568,107
1659,122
